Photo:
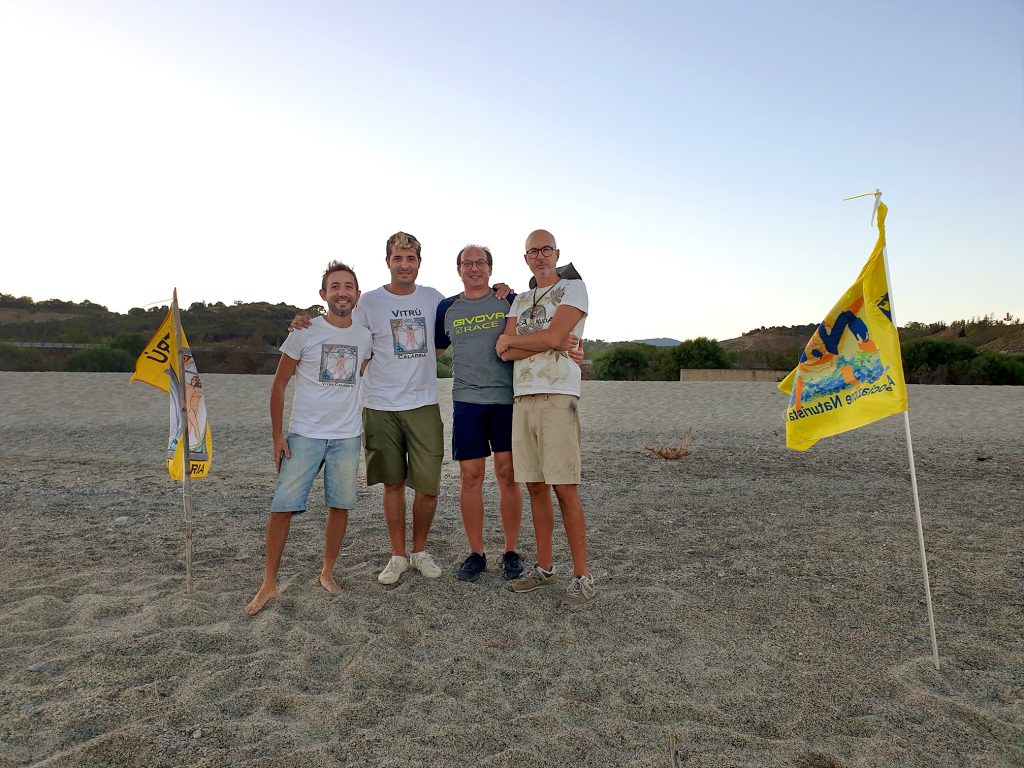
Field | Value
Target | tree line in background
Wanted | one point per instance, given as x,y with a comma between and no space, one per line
244,337
235,338
925,361
633,361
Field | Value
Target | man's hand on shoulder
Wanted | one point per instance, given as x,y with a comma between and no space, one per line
300,321
501,290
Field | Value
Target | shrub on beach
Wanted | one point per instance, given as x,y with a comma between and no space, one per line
624,362
995,368
941,361
634,361
132,343
24,359
701,352
936,361
100,358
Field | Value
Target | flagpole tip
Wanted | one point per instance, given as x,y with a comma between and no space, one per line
876,193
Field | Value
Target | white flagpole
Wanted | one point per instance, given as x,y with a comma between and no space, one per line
186,459
913,471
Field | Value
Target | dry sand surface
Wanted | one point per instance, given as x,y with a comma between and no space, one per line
765,607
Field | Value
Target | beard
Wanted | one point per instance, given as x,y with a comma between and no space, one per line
337,311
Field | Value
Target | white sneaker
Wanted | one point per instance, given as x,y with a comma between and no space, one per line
424,563
393,571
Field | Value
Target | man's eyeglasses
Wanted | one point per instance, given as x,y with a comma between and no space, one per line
481,264
546,252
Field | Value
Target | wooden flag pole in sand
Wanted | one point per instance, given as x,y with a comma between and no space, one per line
186,458
910,454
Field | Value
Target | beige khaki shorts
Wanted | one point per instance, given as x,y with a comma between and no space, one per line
546,437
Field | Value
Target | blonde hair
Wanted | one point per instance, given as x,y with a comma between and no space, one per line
403,240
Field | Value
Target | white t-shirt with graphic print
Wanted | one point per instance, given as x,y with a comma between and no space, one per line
326,400
550,372
403,372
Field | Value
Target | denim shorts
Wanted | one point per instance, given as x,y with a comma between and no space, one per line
340,460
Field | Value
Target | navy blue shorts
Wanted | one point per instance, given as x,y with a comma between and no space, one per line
479,428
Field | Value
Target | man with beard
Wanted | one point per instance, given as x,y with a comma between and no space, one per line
324,430
401,417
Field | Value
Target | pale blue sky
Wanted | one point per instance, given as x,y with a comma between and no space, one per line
691,158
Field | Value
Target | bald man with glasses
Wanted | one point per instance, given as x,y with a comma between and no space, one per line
546,431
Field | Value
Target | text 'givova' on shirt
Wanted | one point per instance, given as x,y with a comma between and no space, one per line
471,327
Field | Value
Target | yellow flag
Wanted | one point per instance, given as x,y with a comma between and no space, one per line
850,373
157,366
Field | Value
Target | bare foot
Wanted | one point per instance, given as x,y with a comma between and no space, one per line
328,583
259,602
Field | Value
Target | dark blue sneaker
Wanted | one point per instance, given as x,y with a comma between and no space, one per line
512,566
472,567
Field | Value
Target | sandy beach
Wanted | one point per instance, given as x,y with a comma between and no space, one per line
765,607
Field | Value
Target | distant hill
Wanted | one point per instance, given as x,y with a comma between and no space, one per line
241,338
771,339
244,337
12,315
780,346
1011,344
776,348
662,342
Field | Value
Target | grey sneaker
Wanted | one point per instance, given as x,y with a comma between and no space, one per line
580,591
424,563
535,579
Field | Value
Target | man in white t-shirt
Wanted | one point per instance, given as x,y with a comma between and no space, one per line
546,429
325,426
403,433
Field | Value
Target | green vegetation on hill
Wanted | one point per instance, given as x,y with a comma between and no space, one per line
254,325
243,338
944,361
977,351
982,350
225,338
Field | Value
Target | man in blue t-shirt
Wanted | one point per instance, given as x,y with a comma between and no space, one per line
470,323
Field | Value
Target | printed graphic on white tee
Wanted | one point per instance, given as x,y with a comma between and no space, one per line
409,335
338,364
532,320
551,371
535,317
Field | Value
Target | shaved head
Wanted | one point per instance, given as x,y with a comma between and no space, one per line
540,238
